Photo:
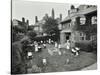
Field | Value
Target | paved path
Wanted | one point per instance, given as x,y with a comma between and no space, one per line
91,67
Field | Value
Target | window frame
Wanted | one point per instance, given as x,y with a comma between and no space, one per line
94,20
82,35
82,20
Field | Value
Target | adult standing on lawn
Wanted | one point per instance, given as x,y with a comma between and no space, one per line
68,44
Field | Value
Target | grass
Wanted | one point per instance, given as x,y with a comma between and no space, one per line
57,63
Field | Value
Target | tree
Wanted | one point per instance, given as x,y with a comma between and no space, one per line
31,35
17,60
30,28
51,27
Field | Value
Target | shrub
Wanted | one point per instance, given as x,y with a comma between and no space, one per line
85,46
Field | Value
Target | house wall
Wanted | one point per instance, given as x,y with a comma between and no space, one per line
88,30
36,28
62,38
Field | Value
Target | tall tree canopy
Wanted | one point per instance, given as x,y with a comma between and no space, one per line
50,26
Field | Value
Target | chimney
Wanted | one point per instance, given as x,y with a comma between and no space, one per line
60,17
53,14
27,22
36,19
23,19
72,7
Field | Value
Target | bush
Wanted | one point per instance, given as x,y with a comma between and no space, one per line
16,37
17,63
85,46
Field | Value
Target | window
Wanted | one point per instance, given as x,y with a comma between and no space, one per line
94,20
93,37
82,20
87,37
69,24
82,38
81,34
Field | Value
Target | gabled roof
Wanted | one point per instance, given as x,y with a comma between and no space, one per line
80,13
68,18
88,10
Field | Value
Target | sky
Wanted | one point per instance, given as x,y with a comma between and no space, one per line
30,9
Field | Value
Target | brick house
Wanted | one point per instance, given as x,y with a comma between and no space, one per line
21,25
80,26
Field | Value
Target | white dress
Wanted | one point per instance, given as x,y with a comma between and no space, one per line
36,48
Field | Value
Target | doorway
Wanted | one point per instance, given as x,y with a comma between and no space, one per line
68,36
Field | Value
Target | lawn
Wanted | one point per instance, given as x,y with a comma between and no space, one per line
59,63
